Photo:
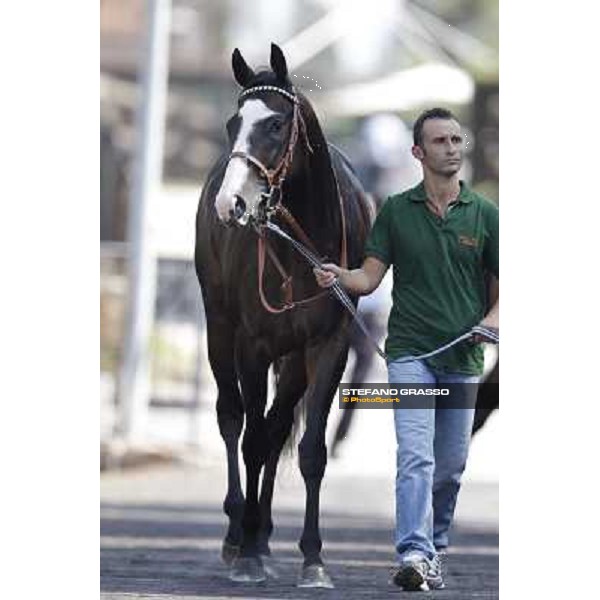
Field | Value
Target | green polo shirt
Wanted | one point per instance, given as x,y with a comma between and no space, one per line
438,266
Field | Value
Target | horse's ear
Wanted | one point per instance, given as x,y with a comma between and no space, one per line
241,71
278,63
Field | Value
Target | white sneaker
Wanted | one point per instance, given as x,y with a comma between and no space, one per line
434,575
417,573
411,574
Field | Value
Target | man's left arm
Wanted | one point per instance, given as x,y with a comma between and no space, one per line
491,319
491,262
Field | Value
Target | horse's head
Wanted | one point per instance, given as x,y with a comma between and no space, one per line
262,135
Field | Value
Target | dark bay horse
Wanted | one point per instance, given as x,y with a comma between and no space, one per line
263,305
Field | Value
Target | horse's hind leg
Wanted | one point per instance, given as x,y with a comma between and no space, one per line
252,367
230,416
487,399
280,418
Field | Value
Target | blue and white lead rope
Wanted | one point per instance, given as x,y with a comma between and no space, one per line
490,334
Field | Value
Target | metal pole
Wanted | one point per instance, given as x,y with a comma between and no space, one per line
134,381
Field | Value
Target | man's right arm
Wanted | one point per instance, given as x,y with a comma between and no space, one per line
358,282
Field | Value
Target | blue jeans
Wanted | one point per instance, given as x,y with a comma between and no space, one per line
433,444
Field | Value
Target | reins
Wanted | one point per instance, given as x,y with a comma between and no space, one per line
336,288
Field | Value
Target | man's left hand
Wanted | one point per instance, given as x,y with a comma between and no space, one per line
490,322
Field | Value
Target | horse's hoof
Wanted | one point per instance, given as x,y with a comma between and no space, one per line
270,566
247,569
229,553
315,576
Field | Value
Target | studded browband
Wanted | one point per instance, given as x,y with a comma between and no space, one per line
270,88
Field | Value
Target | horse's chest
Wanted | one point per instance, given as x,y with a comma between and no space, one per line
259,318
283,332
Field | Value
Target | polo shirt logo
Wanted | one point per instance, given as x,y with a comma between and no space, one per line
465,240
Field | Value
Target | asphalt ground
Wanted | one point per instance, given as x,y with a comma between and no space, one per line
162,527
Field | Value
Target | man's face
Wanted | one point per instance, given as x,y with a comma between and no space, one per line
442,147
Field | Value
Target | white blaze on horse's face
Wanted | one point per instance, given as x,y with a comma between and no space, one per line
241,183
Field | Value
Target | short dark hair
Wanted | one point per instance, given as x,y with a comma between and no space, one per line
432,113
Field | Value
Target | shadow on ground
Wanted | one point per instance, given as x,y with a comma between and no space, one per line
170,551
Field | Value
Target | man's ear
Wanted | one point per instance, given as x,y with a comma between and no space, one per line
417,152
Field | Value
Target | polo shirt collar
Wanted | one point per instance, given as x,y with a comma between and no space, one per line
418,194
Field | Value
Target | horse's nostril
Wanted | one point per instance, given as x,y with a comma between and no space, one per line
240,207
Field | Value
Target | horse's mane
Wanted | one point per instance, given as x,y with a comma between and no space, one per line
326,161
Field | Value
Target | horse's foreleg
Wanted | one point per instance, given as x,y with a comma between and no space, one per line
291,386
313,452
230,416
252,369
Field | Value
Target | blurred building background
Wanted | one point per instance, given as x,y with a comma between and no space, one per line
369,67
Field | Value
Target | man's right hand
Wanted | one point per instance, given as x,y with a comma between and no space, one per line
355,281
327,276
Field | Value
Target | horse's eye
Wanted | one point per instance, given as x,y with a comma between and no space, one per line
275,125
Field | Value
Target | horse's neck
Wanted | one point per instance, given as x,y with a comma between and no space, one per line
313,198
